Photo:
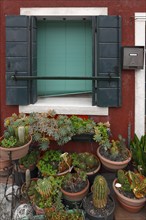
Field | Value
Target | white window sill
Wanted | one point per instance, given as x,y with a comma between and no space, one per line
65,105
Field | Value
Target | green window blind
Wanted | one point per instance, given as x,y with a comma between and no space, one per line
64,48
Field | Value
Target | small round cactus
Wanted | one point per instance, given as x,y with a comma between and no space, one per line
100,191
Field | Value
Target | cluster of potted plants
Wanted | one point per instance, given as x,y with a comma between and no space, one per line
47,196
44,127
70,170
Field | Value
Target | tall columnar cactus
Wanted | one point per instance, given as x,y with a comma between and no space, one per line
27,178
100,192
21,134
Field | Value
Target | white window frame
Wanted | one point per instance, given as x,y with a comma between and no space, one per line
140,36
65,105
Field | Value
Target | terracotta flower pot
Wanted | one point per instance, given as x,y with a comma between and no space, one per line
77,196
16,152
131,205
113,165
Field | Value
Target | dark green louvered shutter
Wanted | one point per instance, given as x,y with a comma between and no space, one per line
20,59
107,61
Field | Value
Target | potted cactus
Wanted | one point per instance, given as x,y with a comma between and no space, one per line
130,190
15,142
113,154
99,204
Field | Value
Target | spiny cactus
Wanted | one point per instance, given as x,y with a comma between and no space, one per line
123,180
27,178
43,187
21,134
100,192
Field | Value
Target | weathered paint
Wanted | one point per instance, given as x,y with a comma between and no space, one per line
119,118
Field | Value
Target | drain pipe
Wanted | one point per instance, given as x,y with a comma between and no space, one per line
129,134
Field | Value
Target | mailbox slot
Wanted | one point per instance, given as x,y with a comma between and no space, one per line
133,57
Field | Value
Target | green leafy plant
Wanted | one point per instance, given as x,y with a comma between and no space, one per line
100,192
30,159
48,192
74,182
85,161
132,182
116,150
101,134
138,149
82,125
54,162
54,213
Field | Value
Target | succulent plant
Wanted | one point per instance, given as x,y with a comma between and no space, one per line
100,191
138,149
132,182
123,180
101,134
27,178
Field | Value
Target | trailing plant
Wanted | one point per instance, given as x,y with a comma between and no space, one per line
138,149
48,125
43,127
100,192
131,182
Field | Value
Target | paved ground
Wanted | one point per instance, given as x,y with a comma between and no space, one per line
5,206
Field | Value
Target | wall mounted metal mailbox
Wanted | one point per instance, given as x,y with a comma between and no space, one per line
133,57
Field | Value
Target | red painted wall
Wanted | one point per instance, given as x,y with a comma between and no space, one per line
118,117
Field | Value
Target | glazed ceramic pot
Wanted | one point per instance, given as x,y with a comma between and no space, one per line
113,165
131,205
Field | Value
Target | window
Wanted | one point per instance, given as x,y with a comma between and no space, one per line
21,60
64,48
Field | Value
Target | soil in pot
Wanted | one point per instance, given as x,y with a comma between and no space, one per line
115,164
127,199
101,214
